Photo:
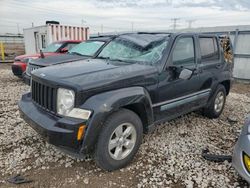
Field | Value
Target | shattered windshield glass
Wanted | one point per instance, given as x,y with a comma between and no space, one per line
135,51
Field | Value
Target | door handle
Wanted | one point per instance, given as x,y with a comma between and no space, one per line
218,66
197,71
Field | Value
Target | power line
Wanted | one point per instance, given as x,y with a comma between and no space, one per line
65,10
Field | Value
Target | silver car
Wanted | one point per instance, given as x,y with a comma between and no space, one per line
241,155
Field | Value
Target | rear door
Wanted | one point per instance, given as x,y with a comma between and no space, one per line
210,62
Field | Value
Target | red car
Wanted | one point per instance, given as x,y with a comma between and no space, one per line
55,48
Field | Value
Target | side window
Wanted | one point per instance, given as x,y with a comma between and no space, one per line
183,54
209,49
70,45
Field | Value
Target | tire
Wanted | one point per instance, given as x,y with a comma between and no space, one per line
109,158
211,111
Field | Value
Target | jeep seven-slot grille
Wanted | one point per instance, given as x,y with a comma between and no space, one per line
44,96
32,67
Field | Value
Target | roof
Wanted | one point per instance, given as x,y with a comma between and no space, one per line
69,41
46,25
144,39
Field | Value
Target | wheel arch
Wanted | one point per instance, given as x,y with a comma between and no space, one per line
136,99
227,85
140,110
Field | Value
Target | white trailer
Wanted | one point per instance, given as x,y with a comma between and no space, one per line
37,38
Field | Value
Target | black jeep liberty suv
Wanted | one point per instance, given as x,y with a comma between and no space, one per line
102,106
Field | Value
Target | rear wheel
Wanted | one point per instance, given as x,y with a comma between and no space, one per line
217,103
119,140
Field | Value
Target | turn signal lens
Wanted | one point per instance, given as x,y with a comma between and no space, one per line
80,132
246,160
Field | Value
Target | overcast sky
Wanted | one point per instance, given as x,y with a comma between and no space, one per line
123,15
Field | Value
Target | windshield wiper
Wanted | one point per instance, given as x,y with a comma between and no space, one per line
76,53
124,61
101,57
120,60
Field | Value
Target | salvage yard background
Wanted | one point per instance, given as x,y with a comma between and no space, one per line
169,157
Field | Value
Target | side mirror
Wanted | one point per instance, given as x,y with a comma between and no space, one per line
64,50
185,74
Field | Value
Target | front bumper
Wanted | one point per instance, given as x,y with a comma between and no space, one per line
242,145
58,131
17,70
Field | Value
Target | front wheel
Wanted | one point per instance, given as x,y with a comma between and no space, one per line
119,140
217,103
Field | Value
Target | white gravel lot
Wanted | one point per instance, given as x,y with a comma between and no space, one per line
168,157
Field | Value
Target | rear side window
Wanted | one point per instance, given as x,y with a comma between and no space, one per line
209,49
70,45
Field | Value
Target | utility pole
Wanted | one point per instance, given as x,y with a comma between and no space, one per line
175,22
18,29
83,22
190,23
169,2
102,29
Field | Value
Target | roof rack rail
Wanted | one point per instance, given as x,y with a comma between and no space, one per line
155,33
97,36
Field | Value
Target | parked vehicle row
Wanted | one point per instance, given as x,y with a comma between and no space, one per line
81,51
102,105
56,48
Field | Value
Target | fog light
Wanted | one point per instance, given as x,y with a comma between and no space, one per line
80,132
246,161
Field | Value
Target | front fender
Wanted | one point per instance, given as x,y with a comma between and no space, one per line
105,104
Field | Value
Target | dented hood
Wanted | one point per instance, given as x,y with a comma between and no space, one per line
92,73
53,60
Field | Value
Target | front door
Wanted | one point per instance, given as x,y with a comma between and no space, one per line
177,96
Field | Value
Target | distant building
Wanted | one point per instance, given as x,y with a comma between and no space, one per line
11,38
37,38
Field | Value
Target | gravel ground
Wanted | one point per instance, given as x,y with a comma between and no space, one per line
168,157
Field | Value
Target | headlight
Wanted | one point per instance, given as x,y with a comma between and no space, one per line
29,59
65,105
246,161
26,60
65,101
27,67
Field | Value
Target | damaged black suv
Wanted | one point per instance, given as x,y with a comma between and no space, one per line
103,105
